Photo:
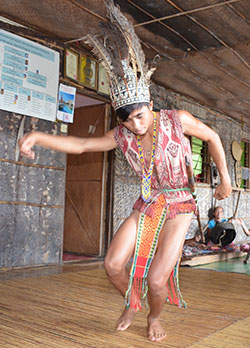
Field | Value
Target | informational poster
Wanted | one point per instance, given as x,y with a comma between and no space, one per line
29,74
66,103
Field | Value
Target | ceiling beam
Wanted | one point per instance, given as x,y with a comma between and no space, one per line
185,13
201,54
26,25
223,43
84,8
239,13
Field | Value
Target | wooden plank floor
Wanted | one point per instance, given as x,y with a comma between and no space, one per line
75,306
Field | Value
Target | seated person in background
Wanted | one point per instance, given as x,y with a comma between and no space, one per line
218,217
244,246
224,235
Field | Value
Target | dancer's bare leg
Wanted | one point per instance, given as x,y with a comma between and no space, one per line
120,252
170,245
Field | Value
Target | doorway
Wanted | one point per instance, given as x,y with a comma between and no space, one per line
85,192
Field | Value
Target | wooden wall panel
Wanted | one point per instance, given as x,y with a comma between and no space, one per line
30,234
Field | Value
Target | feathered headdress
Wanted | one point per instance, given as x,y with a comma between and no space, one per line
118,48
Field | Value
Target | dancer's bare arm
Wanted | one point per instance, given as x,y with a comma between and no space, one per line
194,127
68,144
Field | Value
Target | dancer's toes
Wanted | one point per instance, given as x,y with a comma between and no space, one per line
156,331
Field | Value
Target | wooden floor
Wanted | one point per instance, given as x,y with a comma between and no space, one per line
75,306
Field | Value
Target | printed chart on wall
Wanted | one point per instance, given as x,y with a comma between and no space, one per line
29,74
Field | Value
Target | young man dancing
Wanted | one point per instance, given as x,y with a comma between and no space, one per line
155,147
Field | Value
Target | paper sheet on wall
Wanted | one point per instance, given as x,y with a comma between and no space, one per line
29,74
66,103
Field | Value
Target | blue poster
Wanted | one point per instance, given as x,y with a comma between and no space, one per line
66,103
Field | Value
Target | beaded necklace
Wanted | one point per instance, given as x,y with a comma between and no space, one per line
146,176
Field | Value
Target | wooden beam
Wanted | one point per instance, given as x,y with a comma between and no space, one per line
225,71
184,13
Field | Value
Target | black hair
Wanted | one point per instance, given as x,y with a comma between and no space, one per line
212,210
124,112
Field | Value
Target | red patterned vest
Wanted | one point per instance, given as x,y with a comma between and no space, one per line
169,166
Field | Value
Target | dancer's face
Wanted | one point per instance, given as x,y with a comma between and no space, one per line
140,121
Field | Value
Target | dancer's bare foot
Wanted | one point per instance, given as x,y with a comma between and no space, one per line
155,330
126,318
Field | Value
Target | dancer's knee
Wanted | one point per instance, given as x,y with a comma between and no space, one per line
112,267
156,285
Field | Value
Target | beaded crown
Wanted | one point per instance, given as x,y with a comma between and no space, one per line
118,48
129,89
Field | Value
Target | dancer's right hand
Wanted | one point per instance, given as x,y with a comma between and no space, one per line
26,143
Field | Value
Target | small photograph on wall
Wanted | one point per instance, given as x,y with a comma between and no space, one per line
103,81
88,71
66,103
71,65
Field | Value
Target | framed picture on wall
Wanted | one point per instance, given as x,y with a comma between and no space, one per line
71,64
88,71
103,81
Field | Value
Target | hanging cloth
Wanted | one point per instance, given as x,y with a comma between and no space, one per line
147,239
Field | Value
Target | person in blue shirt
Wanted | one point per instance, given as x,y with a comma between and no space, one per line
218,217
